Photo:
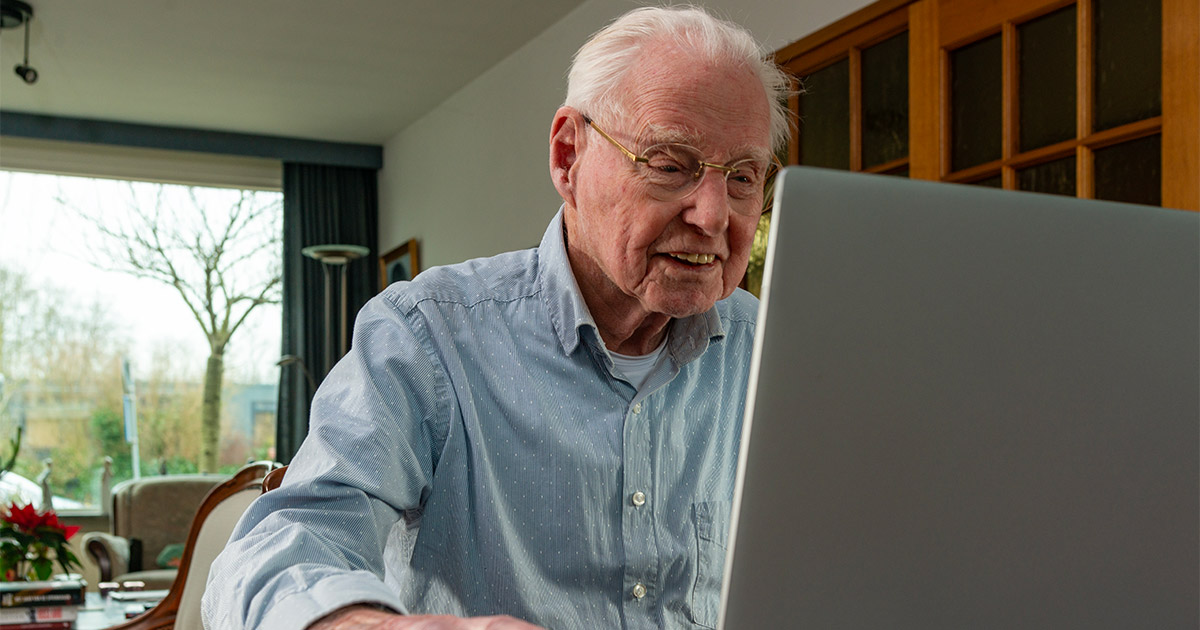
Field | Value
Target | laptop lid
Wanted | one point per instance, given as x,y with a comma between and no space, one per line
969,408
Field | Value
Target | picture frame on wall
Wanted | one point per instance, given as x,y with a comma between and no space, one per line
400,264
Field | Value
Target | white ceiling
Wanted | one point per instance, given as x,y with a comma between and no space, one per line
346,71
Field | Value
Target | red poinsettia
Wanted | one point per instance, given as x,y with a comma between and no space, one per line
27,538
25,518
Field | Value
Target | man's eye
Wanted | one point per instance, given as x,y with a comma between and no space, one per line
744,177
667,165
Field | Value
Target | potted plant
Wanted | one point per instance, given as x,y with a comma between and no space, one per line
30,543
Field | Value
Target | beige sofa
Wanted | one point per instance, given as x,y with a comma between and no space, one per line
147,515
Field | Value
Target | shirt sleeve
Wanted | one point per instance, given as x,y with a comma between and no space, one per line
315,544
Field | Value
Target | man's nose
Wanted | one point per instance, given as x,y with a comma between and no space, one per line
710,207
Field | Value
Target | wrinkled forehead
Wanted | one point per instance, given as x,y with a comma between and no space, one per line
719,107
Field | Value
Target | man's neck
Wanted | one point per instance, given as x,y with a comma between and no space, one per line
623,332
625,326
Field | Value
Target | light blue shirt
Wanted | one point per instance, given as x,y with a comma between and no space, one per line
477,453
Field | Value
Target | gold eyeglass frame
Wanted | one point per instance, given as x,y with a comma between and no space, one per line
772,168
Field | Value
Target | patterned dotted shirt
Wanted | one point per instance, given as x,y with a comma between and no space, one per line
477,452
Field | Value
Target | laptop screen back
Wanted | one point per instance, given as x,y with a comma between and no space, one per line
969,408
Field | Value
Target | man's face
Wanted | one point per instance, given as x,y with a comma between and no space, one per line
675,258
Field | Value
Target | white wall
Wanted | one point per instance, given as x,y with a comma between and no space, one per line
471,178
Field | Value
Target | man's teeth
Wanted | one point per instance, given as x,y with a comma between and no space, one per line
695,259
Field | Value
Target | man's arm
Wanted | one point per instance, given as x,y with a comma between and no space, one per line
316,543
371,618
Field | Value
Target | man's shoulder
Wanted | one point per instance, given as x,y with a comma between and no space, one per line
500,278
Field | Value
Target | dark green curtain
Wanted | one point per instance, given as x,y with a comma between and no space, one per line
321,205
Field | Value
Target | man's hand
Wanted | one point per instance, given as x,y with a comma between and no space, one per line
368,618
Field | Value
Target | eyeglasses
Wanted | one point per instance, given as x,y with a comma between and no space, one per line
674,171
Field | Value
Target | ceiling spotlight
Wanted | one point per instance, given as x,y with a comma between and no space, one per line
27,73
15,13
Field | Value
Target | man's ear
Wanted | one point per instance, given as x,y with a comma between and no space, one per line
566,135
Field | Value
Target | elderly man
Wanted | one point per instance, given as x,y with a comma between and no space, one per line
549,435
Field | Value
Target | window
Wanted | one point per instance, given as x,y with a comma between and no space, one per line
853,110
1065,100
1089,98
73,310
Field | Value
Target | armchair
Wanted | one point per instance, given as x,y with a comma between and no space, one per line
147,515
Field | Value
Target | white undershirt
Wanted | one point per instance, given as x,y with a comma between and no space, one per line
637,368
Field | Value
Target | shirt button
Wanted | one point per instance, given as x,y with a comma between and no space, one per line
638,499
639,590
637,408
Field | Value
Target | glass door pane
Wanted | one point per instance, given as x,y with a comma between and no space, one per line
885,101
975,103
825,117
1131,171
1056,178
1128,61
1046,79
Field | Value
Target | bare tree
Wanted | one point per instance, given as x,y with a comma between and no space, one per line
223,264
58,363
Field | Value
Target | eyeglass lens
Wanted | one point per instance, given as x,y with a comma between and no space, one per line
677,169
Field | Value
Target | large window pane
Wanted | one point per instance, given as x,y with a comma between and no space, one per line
825,117
1056,178
72,312
1047,79
885,101
975,103
1128,61
1131,171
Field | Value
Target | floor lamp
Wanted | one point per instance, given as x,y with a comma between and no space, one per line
331,256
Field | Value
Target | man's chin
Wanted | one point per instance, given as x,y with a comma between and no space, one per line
680,306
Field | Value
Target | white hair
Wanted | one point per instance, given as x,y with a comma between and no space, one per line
602,62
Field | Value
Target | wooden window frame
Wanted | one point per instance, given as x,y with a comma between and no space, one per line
824,48
936,27
957,30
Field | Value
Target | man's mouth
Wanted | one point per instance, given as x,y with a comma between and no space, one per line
694,259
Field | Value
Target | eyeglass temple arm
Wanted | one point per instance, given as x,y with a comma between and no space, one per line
629,154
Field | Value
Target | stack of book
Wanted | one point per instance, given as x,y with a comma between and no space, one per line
50,605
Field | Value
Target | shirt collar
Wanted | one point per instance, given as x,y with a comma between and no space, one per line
687,339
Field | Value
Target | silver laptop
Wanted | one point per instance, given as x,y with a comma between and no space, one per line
969,408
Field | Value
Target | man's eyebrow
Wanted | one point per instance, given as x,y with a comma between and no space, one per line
657,134
653,134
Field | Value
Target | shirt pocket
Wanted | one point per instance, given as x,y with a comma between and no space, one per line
711,521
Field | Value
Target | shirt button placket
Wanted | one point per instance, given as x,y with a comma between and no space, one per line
639,536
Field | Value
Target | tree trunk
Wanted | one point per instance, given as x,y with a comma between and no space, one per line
210,419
